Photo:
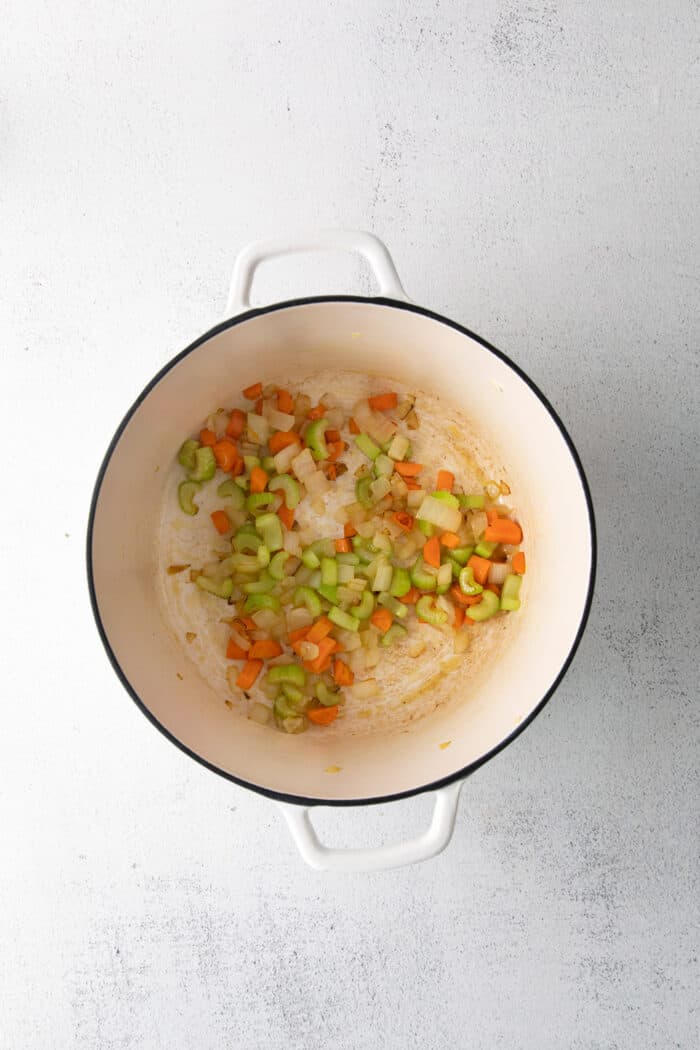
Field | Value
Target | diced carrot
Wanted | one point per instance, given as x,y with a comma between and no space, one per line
493,587
410,597
286,516
491,515
381,618
236,423
331,471
481,568
285,402
459,617
342,673
335,450
450,540
404,520
343,546
408,470
411,484
382,402
318,412
464,599
321,629
504,531
207,437
519,563
281,439
349,530
238,467
251,670
468,622
354,429
252,393
326,647
259,406
333,435
298,635
249,623
431,552
258,479
225,454
265,649
234,651
221,522
445,481
322,716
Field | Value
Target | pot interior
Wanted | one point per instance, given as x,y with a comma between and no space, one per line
480,704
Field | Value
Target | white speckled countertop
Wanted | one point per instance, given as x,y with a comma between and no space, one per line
533,169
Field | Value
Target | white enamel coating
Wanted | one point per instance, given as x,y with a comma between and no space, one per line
367,245
371,338
381,858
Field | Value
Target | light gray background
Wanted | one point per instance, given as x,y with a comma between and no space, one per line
533,169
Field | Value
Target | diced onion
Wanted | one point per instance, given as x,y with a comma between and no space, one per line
308,650
379,427
372,658
498,572
284,457
416,646
316,484
258,428
357,659
364,690
478,522
280,420
439,513
380,488
461,641
350,640
297,618
265,619
303,465
292,544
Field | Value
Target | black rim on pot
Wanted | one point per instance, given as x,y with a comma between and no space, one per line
283,796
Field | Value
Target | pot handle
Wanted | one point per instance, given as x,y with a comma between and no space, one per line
365,244
427,845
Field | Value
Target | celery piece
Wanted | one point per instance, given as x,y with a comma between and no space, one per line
258,501
398,447
270,528
315,438
246,540
255,602
365,444
472,502
444,578
347,558
284,709
428,612
461,554
379,489
250,462
400,583
242,481
383,466
305,596
343,619
185,495
510,600
362,492
268,464
294,695
446,497
289,486
294,674
219,588
186,455
395,633
487,607
420,578
229,489
329,591
276,566
393,605
244,563
263,556
310,559
346,573
484,549
467,583
204,465
366,607
263,585
325,695
383,576
329,572
425,527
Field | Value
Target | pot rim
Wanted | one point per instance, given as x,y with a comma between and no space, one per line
459,774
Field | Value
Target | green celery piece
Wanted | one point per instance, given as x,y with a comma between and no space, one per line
268,464
484,549
467,583
245,563
254,602
204,465
383,466
446,497
461,554
305,596
395,633
400,583
284,709
420,578
294,674
487,607
510,592
246,540
185,495
329,592
444,579
289,486
456,567
263,556
362,493
426,527
347,558
365,444
315,438
219,588
293,695
343,619
229,489
250,462
186,455
325,695
270,528
293,725
263,585
329,572
310,559
365,608
276,566
393,605
472,502
259,501
429,613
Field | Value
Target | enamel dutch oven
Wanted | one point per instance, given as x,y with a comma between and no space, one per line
390,336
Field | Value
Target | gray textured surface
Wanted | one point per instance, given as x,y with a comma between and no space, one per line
533,168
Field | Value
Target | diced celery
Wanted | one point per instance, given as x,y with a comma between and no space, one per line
204,464
289,486
258,501
219,588
428,612
261,601
315,438
292,673
395,633
420,578
393,605
510,600
472,502
444,513
484,549
487,607
462,554
325,695
276,567
400,583
245,540
268,464
309,559
347,558
342,619
329,572
329,591
185,496
366,607
263,556
270,528
263,585
425,527
382,577
306,596
293,694
346,573
381,542
365,444
379,489
446,497
383,466
250,462
467,583
444,578
244,563
362,492
230,490
186,455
